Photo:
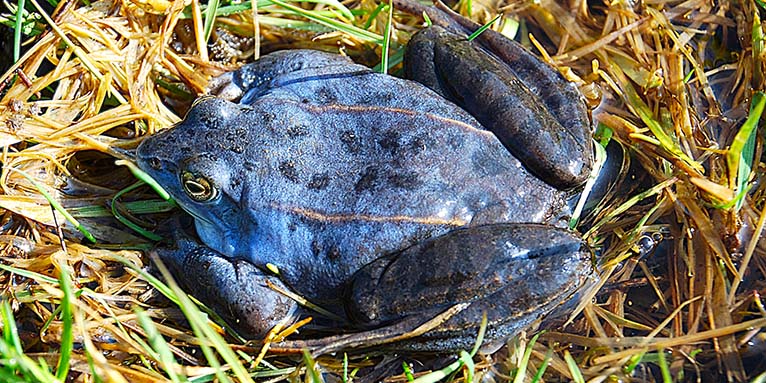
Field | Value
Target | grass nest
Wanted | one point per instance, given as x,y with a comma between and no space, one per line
675,83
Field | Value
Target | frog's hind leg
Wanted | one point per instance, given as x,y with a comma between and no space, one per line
250,81
515,273
432,296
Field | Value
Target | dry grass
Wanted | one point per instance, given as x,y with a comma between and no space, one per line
682,261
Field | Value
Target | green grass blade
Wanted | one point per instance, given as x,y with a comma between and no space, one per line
543,366
17,30
407,372
573,368
643,111
210,12
311,369
124,220
373,15
165,356
483,28
29,274
11,347
456,365
739,157
57,206
664,368
208,336
141,175
357,32
521,372
67,334
386,40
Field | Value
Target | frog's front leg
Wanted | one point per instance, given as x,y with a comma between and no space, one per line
516,273
235,289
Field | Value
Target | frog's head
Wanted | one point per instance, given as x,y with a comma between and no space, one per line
194,163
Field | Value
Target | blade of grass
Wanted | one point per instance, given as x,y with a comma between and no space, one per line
124,220
456,365
522,367
79,52
739,157
141,175
598,163
483,28
573,368
159,345
357,32
210,12
12,350
17,30
373,15
311,369
386,40
29,274
643,111
56,205
543,366
247,6
207,335
408,372
67,330
664,368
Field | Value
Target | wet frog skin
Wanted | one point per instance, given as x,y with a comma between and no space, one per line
376,198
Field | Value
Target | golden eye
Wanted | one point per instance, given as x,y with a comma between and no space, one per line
198,188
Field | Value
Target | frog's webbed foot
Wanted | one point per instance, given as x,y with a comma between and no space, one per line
236,290
534,111
516,273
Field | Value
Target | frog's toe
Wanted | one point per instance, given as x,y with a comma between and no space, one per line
516,273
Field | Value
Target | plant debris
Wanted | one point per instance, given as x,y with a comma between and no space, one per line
675,85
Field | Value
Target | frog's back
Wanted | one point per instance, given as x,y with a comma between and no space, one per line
348,166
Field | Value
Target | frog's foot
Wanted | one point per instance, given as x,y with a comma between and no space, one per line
515,273
236,290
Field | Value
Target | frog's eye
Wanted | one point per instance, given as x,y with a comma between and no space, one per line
197,187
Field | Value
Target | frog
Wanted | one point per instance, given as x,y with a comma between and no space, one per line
406,211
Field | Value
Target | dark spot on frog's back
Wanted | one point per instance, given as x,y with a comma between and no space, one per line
288,170
350,140
367,179
319,181
213,121
298,130
408,180
390,141
326,96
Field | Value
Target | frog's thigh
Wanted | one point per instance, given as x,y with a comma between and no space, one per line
519,271
236,290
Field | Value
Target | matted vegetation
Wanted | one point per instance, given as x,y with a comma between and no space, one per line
675,82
